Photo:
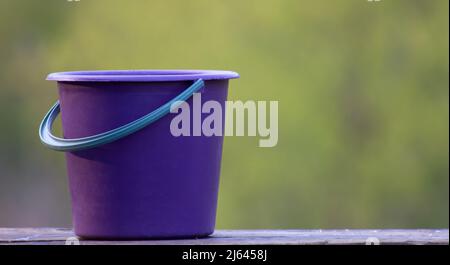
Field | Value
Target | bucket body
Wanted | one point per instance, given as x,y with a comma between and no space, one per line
149,184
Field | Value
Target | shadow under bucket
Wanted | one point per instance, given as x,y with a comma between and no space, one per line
129,177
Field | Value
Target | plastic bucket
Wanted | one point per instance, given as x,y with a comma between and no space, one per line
129,177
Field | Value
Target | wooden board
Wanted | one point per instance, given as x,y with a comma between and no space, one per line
59,236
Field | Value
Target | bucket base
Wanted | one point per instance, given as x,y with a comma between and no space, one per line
128,238
118,237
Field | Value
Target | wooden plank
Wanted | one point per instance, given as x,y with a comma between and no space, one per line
58,236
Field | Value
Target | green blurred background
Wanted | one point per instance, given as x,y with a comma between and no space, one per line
362,89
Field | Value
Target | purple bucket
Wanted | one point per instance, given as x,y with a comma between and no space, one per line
147,183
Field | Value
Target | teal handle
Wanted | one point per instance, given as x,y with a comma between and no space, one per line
61,144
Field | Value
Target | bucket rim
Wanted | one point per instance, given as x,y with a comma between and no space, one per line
140,75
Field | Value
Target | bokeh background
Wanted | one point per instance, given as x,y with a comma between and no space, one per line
362,89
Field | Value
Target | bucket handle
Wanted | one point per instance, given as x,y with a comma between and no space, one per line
76,144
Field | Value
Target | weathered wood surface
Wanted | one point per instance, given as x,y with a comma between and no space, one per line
59,236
